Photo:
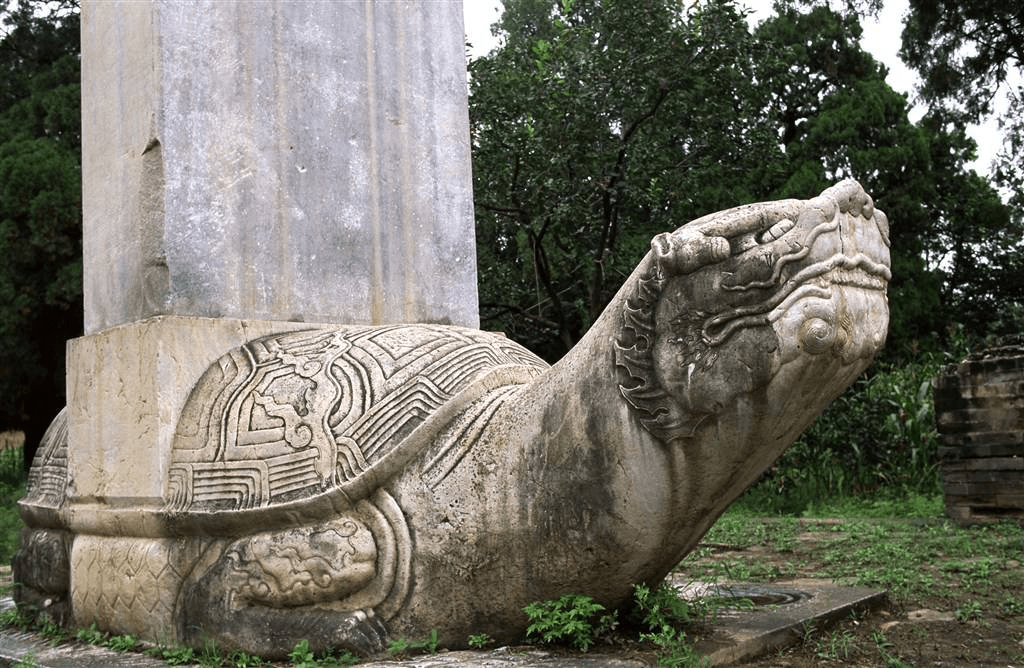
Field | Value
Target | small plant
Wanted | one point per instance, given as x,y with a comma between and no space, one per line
301,656
402,646
17,617
675,651
346,658
478,640
573,618
52,631
210,656
173,655
121,642
27,661
969,611
90,636
663,605
239,659
1013,606
883,645
837,646
807,632
663,611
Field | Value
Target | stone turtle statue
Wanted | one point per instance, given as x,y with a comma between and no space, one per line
347,484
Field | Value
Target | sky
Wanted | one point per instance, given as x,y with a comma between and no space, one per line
881,39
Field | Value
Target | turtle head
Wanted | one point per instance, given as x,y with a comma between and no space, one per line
779,305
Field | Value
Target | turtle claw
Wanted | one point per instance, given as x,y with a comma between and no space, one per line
364,633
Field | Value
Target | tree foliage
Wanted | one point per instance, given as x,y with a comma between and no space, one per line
40,209
595,126
964,51
598,123
968,54
952,238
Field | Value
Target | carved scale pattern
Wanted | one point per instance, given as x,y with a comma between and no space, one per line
291,415
47,479
132,580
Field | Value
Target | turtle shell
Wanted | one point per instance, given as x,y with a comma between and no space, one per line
328,414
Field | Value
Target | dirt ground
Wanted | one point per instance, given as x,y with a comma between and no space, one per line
956,597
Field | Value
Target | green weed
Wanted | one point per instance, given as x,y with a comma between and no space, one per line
210,655
884,647
302,657
240,659
1013,606
17,617
91,635
478,640
27,661
124,643
836,646
574,619
175,655
402,646
663,606
51,631
663,611
968,611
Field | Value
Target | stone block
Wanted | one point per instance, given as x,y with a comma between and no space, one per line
979,414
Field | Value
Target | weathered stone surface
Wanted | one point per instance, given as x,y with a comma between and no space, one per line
350,484
277,161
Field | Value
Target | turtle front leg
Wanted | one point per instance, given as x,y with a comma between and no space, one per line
274,589
42,574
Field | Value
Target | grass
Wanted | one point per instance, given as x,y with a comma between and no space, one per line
868,543
906,546
12,488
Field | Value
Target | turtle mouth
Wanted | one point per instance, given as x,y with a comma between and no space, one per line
855,271
817,280
857,279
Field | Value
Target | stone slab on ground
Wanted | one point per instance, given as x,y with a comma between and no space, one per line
782,613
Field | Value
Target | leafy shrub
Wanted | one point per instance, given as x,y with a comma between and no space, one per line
478,640
573,618
664,611
402,646
878,439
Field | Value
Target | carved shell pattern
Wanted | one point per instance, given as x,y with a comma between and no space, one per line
290,416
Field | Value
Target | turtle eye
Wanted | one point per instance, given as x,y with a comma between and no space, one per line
775,231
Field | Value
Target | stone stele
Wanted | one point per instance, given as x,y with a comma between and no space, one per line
247,160
350,484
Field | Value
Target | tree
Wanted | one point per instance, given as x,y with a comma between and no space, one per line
967,53
964,51
597,124
40,210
